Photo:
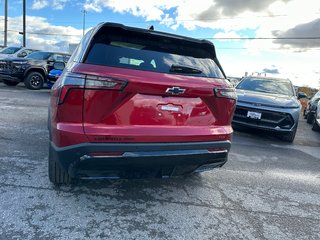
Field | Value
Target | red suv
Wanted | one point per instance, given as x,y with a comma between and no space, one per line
136,103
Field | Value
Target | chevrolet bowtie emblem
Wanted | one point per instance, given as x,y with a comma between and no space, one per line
175,90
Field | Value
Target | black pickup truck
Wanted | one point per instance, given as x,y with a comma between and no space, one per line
32,70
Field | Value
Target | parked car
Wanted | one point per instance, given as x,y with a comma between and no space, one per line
138,103
316,119
268,104
234,80
55,73
311,108
32,70
15,52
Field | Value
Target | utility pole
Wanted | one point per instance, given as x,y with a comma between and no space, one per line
84,21
24,23
5,23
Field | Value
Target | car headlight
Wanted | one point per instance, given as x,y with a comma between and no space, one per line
19,62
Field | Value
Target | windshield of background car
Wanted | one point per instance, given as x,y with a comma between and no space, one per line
10,50
39,55
59,57
272,86
152,53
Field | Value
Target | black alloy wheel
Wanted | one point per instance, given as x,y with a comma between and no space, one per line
34,81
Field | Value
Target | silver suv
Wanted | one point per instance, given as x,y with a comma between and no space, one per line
311,108
15,52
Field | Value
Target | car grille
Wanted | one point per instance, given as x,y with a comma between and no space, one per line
269,119
4,66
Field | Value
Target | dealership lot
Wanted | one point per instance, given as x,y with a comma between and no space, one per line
268,189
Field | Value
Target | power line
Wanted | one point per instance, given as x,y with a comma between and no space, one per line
246,48
207,38
193,20
262,38
49,34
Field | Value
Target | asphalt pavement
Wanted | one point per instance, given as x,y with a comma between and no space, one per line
268,189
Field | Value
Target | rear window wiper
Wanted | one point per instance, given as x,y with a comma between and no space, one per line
184,69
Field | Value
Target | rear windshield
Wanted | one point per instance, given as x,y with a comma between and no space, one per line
273,86
151,53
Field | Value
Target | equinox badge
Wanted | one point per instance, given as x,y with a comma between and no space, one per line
175,90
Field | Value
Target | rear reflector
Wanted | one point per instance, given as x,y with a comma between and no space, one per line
96,155
106,153
217,150
225,93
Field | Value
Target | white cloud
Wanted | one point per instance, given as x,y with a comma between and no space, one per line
167,20
55,4
228,15
59,4
42,35
232,19
227,36
39,4
149,10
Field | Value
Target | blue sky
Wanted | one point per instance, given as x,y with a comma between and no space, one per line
53,24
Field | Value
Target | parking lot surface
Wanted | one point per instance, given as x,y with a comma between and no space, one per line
267,190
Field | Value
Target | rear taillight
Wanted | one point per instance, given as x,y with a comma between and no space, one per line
104,83
225,93
75,80
70,81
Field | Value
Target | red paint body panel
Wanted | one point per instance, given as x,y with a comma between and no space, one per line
142,112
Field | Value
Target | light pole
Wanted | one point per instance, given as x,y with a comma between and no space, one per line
24,23
5,23
84,21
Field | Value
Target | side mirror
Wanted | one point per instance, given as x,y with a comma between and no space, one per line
59,65
22,54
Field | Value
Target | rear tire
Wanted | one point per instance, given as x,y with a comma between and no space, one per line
310,118
10,83
315,126
57,175
34,81
304,114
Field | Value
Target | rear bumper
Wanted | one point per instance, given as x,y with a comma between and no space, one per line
140,159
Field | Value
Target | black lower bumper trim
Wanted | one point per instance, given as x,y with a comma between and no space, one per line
140,159
262,127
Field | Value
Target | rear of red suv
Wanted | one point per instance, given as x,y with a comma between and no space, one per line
137,103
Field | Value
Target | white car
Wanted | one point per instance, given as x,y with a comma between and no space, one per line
15,52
